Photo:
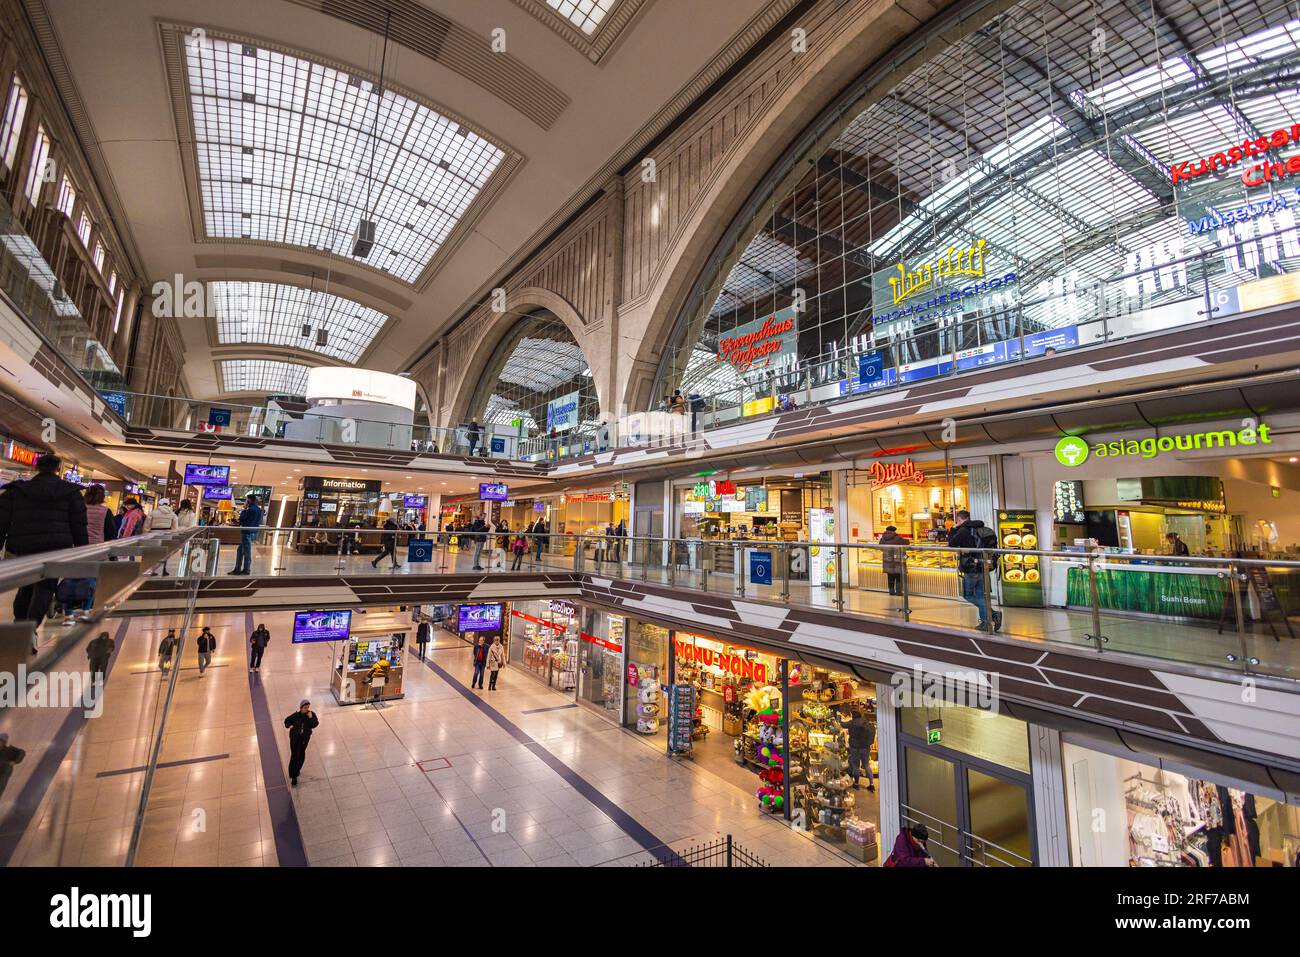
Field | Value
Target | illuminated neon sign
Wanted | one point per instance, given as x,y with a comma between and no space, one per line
896,473
955,263
1191,169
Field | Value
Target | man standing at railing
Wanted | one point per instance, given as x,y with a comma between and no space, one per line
977,536
478,530
42,514
249,518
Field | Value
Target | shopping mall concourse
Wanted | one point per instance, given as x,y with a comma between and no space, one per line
649,433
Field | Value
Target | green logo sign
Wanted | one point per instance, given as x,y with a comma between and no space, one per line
1071,451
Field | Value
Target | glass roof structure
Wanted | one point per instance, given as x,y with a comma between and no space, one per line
1050,146
263,376
282,315
287,153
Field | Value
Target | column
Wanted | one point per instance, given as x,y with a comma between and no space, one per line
889,754
1051,833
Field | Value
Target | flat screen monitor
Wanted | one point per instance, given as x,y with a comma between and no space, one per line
479,618
322,625
217,493
414,501
207,474
493,492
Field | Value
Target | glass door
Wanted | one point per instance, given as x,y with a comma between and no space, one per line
931,799
999,833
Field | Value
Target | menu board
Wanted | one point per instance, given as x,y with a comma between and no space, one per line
1021,575
1068,499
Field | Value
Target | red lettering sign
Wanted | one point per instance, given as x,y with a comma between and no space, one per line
733,664
19,453
742,351
896,473
1187,171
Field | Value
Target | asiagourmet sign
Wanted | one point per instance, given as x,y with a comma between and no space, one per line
1072,451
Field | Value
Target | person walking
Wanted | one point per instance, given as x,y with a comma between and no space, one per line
478,529
977,537
388,542
9,756
257,643
474,435
892,559
300,724
41,514
422,637
249,518
166,648
862,733
207,644
101,527
496,660
519,546
186,517
98,653
480,662
539,538
620,534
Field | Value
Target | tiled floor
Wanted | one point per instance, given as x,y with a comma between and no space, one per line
499,789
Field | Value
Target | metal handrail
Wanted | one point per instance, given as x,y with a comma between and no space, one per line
26,569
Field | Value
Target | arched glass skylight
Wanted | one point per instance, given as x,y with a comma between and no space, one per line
285,155
282,315
263,375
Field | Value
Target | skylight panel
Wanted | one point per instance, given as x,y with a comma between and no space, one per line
1141,83
263,375
1255,48
586,15
284,152
276,314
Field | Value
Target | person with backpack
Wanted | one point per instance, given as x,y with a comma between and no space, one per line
977,537
207,644
257,643
479,531
42,514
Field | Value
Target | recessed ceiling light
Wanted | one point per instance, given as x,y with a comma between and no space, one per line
1294,459
162,461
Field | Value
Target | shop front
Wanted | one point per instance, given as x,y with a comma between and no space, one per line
1201,491
339,502
919,499
965,775
1158,817
573,650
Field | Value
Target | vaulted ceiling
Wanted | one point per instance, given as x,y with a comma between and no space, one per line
242,142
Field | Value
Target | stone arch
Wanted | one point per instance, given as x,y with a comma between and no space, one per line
495,327
786,130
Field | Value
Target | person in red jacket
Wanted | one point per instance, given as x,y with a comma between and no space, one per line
910,849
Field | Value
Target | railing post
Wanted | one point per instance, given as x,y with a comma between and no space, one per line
785,572
704,568
739,569
987,610
672,562
839,577
1240,615
1096,635
907,601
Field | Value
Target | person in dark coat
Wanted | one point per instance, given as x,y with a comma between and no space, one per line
976,536
910,849
207,645
862,733
98,653
388,542
893,559
42,514
257,643
300,724
9,756
249,518
422,637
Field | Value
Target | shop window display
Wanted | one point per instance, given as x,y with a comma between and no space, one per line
647,668
1167,819
546,642
829,756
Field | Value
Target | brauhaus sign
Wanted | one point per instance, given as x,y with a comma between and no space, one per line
1072,451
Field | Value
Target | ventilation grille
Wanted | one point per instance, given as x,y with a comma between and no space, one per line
457,48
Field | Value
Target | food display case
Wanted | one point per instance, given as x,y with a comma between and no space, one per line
929,573
1021,575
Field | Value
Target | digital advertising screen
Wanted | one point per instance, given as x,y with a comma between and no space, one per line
493,492
479,618
217,493
415,501
322,625
207,475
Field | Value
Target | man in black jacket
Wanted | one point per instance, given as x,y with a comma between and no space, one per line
974,535
257,641
300,724
478,529
42,514
388,541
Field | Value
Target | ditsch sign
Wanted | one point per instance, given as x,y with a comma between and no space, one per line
896,473
734,664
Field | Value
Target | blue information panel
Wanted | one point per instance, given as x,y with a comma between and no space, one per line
219,417
760,568
419,550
